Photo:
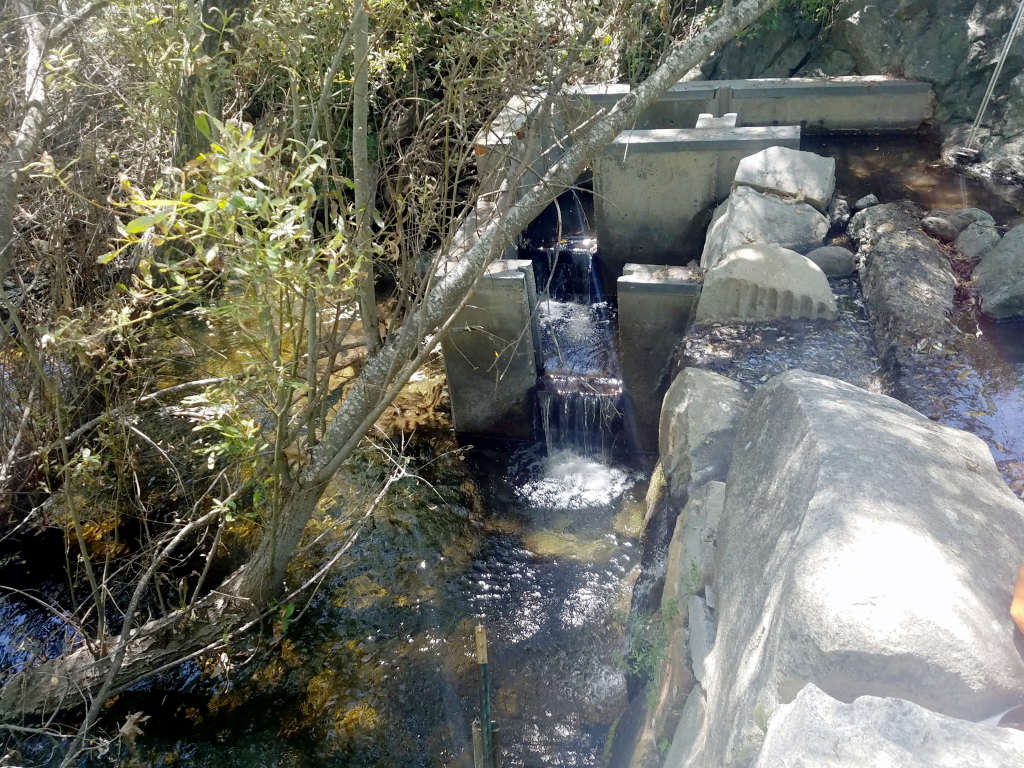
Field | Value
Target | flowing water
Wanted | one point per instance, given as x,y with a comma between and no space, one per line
538,545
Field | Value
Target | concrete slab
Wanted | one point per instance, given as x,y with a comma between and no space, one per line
491,355
654,190
801,175
766,281
656,306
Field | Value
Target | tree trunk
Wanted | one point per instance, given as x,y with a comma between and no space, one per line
361,174
217,23
38,39
384,373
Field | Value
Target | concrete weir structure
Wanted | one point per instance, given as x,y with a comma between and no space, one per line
491,355
656,305
655,189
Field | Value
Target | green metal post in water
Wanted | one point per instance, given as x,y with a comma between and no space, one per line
485,697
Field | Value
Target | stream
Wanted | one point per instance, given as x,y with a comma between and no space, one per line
540,545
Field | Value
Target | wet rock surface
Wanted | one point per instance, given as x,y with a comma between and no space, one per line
864,549
908,282
871,732
751,353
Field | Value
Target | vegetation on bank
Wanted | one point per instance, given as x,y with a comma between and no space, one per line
211,193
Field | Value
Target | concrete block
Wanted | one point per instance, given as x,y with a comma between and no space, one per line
871,103
801,175
679,107
656,306
654,190
752,218
763,281
491,364
706,120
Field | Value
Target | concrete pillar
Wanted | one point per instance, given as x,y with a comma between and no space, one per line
656,306
655,190
491,356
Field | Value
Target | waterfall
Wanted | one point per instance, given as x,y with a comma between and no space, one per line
580,389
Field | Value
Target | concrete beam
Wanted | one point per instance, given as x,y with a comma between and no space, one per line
872,103
656,306
491,356
654,191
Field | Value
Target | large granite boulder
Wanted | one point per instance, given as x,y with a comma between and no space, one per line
750,217
999,277
801,175
866,550
908,282
880,733
691,553
766,281
699,418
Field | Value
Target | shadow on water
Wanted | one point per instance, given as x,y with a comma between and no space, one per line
908,167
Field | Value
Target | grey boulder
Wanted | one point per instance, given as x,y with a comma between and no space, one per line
866,550
804,176
865,202
749,217
977,239
699,418
940,228
999,278
873,732
833,260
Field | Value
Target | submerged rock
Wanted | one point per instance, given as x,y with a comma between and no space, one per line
1000,277
699,418
749,217
908,282
872,732
940,228
865,202
761,281
866,550
782,171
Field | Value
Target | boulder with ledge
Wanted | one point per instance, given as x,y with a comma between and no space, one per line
866,550
750,217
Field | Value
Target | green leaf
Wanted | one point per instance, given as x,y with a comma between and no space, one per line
206,206
141,224
761,716
203,124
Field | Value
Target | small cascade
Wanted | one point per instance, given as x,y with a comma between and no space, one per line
580,413
580,392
